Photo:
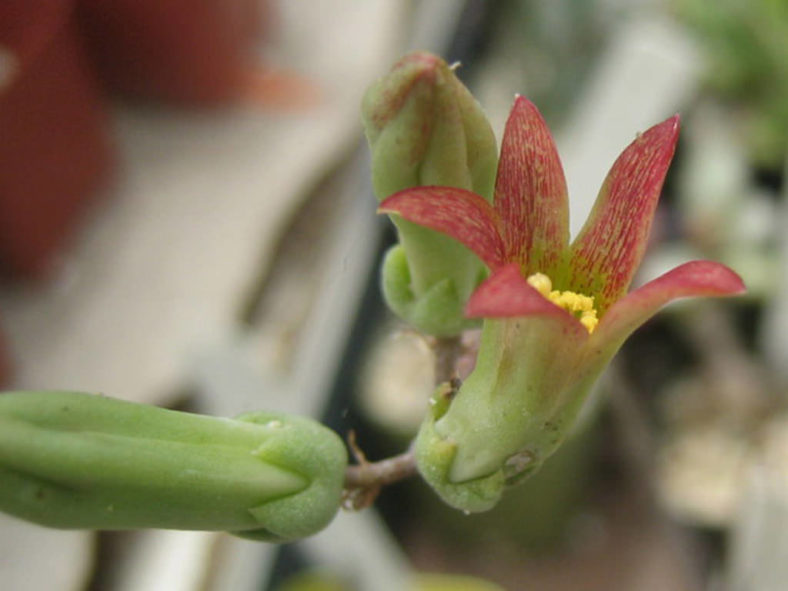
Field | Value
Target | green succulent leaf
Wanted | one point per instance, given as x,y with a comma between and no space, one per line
75,460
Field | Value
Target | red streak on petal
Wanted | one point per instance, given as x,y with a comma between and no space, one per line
608,250
414,69
530,191
463,215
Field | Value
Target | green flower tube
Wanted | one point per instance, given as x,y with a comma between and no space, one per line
509,416
425,128
74,460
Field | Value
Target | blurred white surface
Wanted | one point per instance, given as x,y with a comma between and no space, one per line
34,559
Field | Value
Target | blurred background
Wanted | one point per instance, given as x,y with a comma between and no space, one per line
186,220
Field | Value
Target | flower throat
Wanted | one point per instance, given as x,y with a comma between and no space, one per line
579,305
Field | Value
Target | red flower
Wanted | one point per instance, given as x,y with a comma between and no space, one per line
526,232
555,313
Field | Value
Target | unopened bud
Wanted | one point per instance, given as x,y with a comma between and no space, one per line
425,128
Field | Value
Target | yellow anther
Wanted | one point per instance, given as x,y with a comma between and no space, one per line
589,320
541,283
581,305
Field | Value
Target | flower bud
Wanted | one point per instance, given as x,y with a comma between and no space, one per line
71,460
425,128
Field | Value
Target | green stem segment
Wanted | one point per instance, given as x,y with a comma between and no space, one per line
72,460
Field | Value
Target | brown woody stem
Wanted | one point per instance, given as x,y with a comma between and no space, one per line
364,480
380,473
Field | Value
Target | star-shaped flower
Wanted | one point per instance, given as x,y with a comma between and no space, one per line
556,311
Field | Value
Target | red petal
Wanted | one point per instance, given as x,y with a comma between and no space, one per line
530,192
506,294
696,278
463,215
608,250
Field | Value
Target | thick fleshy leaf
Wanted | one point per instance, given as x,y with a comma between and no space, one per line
696,278
608,250
506,294
461,214
530,192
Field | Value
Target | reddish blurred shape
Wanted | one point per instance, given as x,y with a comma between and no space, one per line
183,51
270,89
54,151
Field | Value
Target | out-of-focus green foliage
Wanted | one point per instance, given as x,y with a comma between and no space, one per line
747,46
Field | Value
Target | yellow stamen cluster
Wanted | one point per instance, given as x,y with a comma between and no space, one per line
582,306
